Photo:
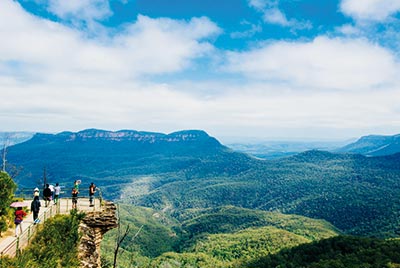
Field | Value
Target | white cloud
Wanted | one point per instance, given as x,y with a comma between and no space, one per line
349,30
324,63
260,4
80,9
248,33
273,15
54,78
149,46
370,10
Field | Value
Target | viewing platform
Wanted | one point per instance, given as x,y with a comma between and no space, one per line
11,245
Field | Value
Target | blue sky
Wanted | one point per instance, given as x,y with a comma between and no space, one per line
282,69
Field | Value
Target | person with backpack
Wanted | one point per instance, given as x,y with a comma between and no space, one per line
92,190
19,217
47,195
35,207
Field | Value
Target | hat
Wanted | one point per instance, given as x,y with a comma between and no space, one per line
36,189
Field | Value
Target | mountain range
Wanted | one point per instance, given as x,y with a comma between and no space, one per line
374,145
190,169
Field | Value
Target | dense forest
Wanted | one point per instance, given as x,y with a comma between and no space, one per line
236,237
189,169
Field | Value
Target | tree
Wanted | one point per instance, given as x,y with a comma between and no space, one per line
7,188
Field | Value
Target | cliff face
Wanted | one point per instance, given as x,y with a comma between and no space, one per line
92,228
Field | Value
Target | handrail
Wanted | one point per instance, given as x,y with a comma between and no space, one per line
17,244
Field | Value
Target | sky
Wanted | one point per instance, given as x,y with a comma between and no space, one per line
238,69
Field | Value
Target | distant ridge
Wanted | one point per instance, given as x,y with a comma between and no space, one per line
374,145
124,135
94,153
14,137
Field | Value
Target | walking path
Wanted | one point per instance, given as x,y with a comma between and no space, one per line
10,245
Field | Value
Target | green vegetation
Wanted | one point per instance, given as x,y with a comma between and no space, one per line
156,237
54,246
357,194
7,188
219,237
336,252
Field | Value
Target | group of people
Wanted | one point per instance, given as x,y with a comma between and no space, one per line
75,192
50,193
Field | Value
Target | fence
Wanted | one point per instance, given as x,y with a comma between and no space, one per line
62,207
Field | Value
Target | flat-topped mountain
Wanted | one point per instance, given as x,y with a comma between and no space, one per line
124,135
98,154
374,145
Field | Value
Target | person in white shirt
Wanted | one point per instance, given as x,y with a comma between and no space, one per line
57,191
51,186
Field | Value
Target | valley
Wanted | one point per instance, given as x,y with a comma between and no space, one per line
193,195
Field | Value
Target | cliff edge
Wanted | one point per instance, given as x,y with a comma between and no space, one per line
93,227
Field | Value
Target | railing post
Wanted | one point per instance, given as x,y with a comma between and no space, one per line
29,233
17,247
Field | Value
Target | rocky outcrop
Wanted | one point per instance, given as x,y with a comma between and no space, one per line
92,228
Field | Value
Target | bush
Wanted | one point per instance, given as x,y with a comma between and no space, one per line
54,246
7,188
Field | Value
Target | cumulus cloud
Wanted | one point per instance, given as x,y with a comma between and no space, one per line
51,71
40,47
323,63
54,77
370,10
80,9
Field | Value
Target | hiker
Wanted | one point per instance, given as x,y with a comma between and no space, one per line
47,195
57,191
36,192
51,186
35,207
19,217
74,198
92,190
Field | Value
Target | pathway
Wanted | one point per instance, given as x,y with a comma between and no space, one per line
9,244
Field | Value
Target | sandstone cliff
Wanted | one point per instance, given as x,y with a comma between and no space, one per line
92,228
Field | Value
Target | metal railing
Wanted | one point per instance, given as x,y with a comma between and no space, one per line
63,206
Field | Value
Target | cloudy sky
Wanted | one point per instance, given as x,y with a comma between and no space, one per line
270,69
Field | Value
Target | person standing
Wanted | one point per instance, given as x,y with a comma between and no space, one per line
74,198
51,186
19,217
47,195
57,191
92,190
35,207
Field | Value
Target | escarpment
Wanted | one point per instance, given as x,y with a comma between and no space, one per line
93,227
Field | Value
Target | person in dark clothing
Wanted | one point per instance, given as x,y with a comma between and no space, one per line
35,207
47,195
74,198
92,190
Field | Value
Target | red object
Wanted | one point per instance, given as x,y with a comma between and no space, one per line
20,214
